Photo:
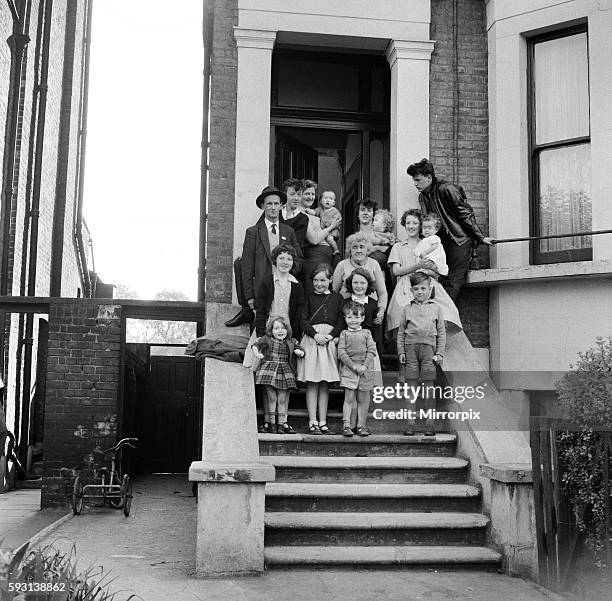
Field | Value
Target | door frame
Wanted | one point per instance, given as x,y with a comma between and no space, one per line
365,128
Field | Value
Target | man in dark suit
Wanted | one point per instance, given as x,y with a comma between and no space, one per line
255,265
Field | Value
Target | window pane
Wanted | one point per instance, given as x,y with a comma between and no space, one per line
561,79
315,84
565,196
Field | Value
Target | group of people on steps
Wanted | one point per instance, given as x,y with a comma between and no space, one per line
294,285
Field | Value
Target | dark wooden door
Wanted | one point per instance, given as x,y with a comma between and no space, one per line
294,159
172,432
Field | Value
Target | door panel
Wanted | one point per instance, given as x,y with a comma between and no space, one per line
172,436
294,159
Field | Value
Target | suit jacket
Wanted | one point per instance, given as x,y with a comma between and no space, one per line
256,258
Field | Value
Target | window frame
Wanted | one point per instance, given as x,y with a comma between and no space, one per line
537,256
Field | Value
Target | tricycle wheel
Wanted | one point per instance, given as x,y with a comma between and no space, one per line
77,496
126,494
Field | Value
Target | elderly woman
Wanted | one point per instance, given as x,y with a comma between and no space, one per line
358,247
317,251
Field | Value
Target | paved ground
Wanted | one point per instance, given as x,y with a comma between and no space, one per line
21,517
151,553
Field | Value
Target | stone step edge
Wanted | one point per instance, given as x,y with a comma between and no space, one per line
370,491
332,520
331,414
380,462
373,438
375,555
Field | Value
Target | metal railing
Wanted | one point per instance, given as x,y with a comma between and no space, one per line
572,235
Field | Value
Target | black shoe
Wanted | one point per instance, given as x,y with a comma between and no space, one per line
245,316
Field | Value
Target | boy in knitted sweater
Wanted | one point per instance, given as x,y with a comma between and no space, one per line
356,353
421,341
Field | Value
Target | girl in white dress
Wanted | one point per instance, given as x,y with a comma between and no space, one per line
322,322
403,262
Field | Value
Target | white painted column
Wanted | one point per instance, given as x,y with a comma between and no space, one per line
252,125
600,59
409,136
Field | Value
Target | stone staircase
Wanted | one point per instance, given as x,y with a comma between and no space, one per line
383,501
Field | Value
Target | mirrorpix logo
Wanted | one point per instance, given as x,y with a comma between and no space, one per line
411,394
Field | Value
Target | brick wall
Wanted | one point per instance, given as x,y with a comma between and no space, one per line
81,405
222,154
59,161
459,127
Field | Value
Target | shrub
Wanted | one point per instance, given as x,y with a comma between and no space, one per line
586,397
51,576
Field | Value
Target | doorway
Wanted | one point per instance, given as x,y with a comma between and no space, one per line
171,439
330,123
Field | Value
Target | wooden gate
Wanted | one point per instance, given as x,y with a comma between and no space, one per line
560,544
172,439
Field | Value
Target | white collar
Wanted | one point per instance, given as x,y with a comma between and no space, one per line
355,330
269,223
291,277
361,302
326,292
295,213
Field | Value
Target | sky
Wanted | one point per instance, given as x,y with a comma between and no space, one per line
142,166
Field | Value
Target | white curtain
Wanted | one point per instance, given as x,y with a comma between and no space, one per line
561,79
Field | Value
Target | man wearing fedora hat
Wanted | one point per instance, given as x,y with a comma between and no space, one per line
255,265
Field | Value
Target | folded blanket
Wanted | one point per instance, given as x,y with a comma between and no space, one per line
225,347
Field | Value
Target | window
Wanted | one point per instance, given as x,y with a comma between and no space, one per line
560,146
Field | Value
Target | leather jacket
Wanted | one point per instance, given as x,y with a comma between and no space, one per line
450,203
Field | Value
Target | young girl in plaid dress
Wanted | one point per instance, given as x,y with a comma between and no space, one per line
277,352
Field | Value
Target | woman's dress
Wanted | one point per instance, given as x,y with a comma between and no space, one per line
403,254
320,361
315,254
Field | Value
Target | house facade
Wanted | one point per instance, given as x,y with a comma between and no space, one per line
507,99
44,243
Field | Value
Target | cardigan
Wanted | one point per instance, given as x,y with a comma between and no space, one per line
330,313
263,303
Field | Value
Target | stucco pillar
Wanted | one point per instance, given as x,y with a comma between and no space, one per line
252,125
600,66
409,137
231,479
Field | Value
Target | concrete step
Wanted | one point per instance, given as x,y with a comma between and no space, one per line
298,418
317,497
414,470
385,557
374,528
380,445
33,483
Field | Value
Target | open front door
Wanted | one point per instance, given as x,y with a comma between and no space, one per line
294,159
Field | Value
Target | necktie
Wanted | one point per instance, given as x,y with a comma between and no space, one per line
273,228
